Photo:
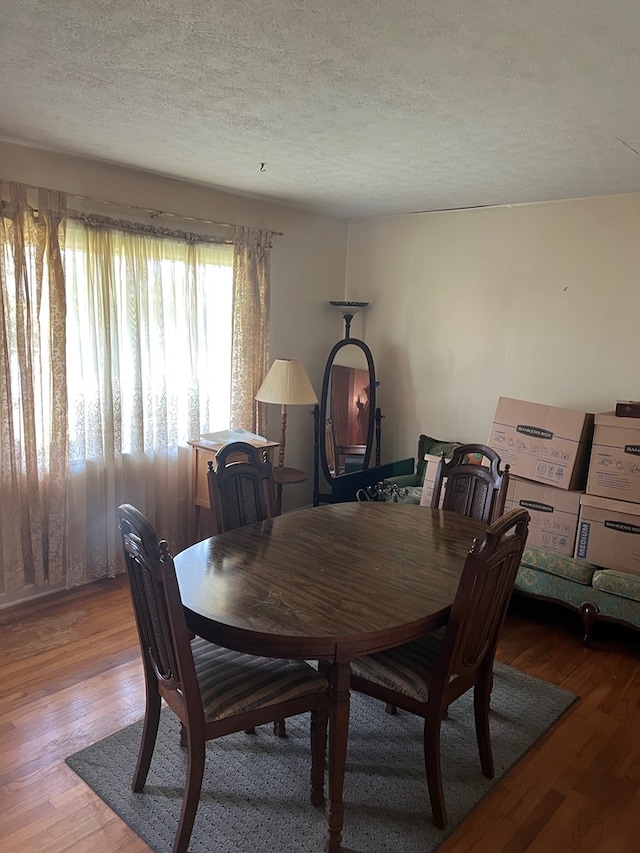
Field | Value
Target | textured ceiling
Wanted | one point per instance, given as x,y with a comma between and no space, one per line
356,107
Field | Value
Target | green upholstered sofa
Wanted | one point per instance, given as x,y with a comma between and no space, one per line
593,592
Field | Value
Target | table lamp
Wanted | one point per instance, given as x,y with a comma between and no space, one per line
287,384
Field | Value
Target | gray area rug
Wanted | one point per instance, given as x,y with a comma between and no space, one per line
255,796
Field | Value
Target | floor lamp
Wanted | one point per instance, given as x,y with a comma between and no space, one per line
286,384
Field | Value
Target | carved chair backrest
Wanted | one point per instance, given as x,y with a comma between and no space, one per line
472,488
160,620
480,604
241,488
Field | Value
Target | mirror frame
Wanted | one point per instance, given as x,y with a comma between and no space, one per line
324,402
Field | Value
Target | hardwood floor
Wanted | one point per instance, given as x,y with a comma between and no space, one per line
71,674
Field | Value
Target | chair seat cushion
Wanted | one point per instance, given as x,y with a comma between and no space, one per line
560,565
406,669
622,584
234,683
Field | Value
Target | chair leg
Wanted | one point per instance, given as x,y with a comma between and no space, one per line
148,741
433,767
280,728
191,796
319,723
481,703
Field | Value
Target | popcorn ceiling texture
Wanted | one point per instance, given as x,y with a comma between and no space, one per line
355,108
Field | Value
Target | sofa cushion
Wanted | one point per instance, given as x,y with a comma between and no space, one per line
617,583
433,447
560,565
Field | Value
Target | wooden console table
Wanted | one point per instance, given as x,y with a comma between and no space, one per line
203,451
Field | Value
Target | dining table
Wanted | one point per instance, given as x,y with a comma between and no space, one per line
328,583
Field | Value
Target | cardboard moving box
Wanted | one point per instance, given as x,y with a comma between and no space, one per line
554,514
614,470
543,443
609,534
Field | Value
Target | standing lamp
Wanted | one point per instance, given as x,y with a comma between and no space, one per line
348,309
286,384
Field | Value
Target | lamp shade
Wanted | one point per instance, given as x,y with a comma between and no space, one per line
287,383
348,307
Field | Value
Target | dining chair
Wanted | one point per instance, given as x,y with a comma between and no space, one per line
241,492
471,487
212,690
425,676
241,488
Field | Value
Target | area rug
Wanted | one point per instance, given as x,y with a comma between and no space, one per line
255,796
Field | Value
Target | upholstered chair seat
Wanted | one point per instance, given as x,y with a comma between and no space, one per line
232,683
407,669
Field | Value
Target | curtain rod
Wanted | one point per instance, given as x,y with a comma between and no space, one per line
148,210
98,220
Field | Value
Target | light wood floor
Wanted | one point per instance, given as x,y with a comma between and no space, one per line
70,672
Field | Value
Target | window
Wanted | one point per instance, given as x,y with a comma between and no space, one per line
148,341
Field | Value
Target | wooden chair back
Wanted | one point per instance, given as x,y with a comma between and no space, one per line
241,488
474,489
162,628
480,606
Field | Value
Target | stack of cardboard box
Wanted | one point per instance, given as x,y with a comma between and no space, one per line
547,449
609,526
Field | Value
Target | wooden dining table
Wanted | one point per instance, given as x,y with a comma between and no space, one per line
327,583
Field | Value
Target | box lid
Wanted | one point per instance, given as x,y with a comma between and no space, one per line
532,417
621,507
610,419
549,497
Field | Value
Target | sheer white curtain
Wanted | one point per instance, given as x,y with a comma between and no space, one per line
149,323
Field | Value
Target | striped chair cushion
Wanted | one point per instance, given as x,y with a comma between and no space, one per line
406,669
234,683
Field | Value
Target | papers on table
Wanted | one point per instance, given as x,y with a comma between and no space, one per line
224,436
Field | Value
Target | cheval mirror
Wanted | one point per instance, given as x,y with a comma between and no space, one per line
347,422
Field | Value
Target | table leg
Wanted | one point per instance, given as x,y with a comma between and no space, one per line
338,737
195,523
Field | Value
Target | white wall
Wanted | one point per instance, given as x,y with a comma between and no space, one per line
308,262
539,302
